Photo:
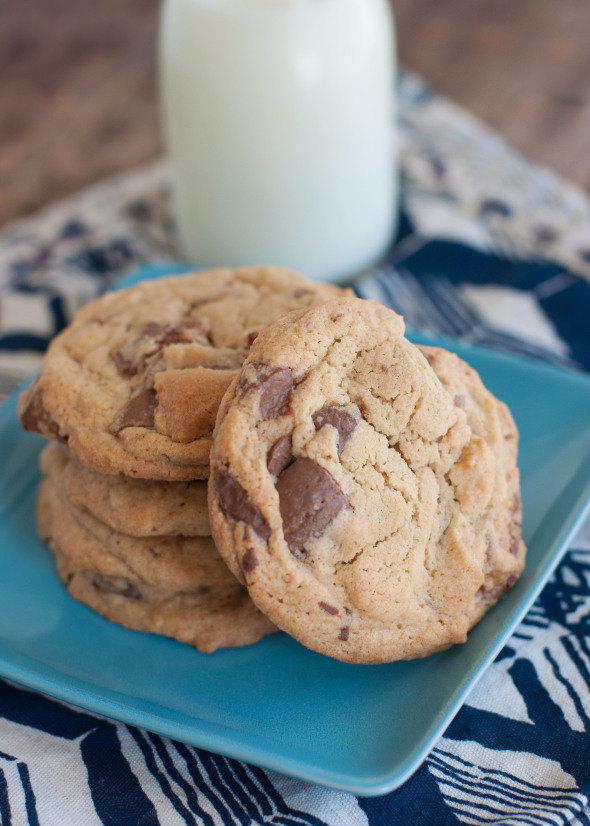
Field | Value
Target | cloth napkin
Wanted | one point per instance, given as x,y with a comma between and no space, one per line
491,250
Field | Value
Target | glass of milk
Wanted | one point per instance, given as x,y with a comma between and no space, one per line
279,120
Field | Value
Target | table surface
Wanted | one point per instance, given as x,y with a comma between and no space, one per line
78,92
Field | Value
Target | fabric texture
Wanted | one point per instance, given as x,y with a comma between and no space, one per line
491,250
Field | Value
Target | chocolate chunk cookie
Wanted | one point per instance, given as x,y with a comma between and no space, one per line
199,602
364,489
138,507
134,384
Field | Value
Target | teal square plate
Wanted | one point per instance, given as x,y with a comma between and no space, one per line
363,729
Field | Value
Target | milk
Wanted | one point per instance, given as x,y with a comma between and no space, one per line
279,122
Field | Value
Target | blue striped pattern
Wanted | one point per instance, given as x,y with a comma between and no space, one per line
482,794
424,280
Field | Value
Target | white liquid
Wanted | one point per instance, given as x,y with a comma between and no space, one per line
279,122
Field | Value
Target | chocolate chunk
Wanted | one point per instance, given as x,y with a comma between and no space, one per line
138,412
279,456
329,609
153,329
192,330
124,365
116,585
249,561
514,526
235,503
274,394
35,418
344,422
344,632
252,337
131,358
514,537
30,413
494,594
309,500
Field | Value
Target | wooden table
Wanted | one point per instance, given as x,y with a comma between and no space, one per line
78,91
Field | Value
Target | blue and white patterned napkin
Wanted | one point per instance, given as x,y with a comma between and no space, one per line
492,250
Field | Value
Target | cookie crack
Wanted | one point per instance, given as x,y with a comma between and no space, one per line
387,564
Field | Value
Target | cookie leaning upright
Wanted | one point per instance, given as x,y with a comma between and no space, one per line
370,507
133,384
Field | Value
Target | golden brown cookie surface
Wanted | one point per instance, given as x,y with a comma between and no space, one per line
369,504
138,507
134,383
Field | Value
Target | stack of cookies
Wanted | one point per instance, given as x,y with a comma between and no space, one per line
363,492
128,394
140,553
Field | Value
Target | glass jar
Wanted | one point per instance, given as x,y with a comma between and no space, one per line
279,121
